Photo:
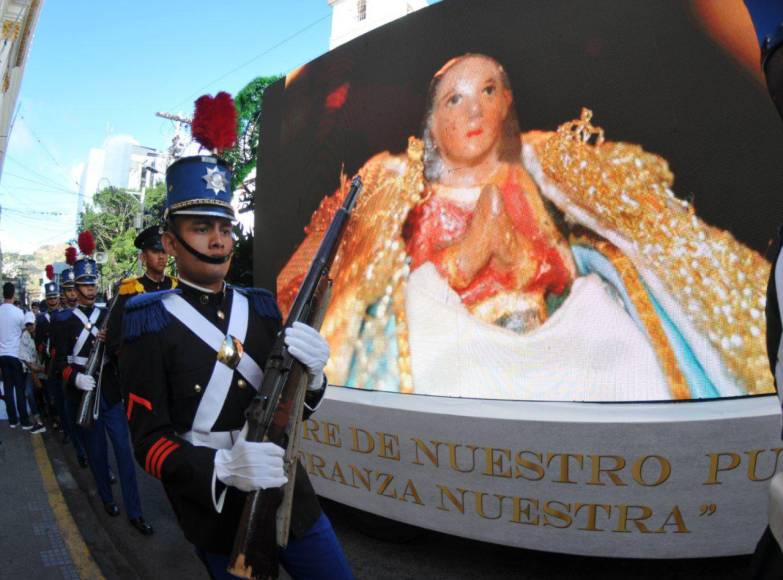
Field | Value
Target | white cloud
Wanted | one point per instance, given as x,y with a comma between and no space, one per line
114,140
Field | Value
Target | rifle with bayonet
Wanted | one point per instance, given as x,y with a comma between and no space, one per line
275,414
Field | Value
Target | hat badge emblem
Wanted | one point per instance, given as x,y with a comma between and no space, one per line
215,180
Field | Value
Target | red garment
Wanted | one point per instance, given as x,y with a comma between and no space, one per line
438,222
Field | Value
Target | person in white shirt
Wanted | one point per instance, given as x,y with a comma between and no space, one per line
11,327
28,355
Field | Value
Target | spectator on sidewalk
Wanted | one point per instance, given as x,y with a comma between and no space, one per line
28,355
11,327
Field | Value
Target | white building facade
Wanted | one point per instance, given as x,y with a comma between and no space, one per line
121,163
352,18
18,19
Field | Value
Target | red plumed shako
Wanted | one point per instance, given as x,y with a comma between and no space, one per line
215,122
86,242
70,255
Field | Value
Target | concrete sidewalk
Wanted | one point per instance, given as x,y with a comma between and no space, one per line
53,526
119,550
38,536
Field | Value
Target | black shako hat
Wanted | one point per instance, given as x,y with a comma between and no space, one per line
149,239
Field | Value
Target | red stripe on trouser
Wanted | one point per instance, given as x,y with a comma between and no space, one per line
152,451
162,458
156,456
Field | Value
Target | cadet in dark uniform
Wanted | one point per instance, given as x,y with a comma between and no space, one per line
154,260
43,323
186,408
79,332
68,300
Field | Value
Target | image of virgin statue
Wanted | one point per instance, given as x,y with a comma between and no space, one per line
554,266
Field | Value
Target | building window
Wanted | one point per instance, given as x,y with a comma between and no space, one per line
361,10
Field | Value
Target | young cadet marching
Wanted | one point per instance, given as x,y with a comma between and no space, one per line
68,296
68,300
43,323
78,333
154,259
186,407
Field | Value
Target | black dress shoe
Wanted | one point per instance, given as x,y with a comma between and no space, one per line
141,525
111,508
82,461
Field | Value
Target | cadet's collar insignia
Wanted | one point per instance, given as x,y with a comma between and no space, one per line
215,179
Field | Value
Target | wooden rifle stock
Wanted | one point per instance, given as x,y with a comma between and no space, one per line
276,413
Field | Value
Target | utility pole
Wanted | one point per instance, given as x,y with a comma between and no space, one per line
180,141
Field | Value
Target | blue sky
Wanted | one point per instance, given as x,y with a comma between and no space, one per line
98,69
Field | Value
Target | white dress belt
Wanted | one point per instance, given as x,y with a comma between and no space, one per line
213,439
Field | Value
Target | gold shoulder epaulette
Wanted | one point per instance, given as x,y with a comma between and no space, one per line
131,286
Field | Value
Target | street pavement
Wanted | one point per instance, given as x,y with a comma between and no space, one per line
120,550
34,541
32,544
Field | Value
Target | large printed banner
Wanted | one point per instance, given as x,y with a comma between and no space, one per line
660,480
562,201
560,248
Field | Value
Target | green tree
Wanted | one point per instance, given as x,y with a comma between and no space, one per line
111,219
242,158
154,204
112,214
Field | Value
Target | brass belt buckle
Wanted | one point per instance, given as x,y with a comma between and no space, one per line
230,352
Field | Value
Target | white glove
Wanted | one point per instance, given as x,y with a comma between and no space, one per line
250,466
85,382
311,349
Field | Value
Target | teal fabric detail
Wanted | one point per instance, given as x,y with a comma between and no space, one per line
385,377
700,385
589,260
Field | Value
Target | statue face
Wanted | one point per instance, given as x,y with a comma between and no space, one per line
471,105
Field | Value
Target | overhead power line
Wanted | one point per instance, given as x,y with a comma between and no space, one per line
30,212
252,60
38,140
42,183
31,170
